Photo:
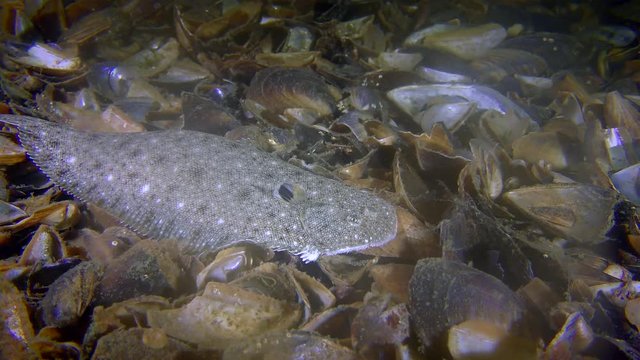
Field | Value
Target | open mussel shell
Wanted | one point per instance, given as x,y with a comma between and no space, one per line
443,293
577,212
51,60
471,235
428,201
415,98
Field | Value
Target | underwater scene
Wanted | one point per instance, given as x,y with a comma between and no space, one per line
312,179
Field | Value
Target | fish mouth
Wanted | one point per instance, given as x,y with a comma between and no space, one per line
370,244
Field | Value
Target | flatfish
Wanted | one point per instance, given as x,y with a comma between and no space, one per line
205,191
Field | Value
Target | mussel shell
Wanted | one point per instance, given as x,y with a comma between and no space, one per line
443,293
626,182
559,50
295,344
578,212
499,63
466,43
414,98
110,79
17,330
278,89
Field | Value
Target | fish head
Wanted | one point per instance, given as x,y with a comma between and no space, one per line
339,219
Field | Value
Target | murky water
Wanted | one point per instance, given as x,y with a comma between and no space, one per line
503,134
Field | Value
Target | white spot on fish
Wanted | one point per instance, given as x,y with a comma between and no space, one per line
180,205
71,160
110,177
145,188
220,221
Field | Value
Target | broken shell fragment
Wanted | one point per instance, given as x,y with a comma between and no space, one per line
578,212
10,213
575,336
61,215
619,148
290,345
155,59
135,343
398,61
620,113
481,339
443,293
344,270
554,148
10,152
392,279
225,314
379,323
626,182
428,201
470,235
415,239
632,312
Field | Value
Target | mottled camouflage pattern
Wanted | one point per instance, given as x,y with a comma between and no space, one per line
206,191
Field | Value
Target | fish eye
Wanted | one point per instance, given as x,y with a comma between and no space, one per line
289,192
285,192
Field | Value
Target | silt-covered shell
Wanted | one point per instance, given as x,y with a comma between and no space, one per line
443,293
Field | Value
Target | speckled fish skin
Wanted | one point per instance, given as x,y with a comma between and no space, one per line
206,191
